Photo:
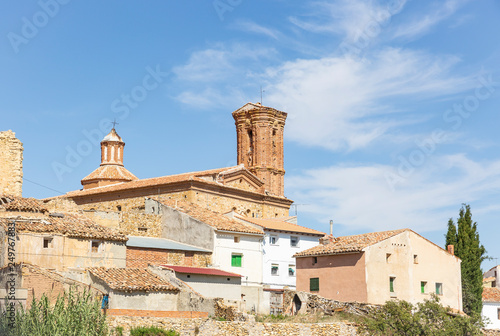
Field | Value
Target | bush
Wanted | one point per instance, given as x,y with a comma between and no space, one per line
152,331
73,314
427,318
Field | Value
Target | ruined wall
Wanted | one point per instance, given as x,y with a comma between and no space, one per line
11,164
141,257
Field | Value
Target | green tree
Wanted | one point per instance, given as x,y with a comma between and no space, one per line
425,318
465,238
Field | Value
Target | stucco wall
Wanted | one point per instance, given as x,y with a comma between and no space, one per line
490,310
182,228
433,265
249,246
66,252
341,277
228,288
282,255
143,300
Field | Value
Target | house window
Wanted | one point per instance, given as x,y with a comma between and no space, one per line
119,207
422,286
294,241
236,239
273,240
236,260
415,259
315,260
387,257
291,270
47,242
142,229
275,269
392,280
95,246
314,284
439,288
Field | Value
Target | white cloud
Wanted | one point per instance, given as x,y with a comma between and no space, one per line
345,103
253,27
423,24
360,197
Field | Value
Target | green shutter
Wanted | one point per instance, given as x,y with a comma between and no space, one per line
236,260
422,287
391,285
314,284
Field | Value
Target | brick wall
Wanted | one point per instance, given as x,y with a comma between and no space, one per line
11,167
141,257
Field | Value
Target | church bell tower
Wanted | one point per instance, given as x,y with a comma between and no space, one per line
259,131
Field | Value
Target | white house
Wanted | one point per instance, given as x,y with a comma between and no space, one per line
282,240
491,307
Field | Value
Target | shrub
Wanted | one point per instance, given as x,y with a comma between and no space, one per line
73,314
152,331
427,318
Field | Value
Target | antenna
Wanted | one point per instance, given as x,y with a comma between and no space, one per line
296,205
261,91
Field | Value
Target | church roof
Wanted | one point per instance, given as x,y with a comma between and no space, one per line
112,136
110,172
255,106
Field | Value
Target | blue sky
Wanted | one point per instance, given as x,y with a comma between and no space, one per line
393,107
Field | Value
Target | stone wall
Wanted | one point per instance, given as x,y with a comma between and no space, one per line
11,164
141,257
209,327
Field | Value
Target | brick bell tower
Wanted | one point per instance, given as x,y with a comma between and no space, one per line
259,131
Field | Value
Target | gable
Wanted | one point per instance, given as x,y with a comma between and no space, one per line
241,181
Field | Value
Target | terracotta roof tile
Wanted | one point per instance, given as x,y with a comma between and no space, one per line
491,294
200,270
21,204
214,219
273,224
489,279
132,279
110,172
71,225
349,243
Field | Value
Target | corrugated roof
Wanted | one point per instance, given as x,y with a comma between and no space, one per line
491,294
273,224
71,225
348,244
201,270
161,243
132,279
214,219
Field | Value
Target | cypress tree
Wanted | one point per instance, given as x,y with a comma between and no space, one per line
465,238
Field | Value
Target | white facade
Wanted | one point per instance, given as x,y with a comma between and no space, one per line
491,310
278,263
229,245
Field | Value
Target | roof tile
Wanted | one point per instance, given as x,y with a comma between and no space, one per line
491,294
348,244
273,224
132,279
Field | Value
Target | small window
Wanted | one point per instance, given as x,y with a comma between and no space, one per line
291,270
314,284
119,207
415,258
236,260
388,257
275,269
315,260
423,284
439,288
142,229
95,247
294,241
47,242
189,276
236,239
273,240
392,281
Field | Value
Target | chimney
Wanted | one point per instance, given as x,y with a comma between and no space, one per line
451,249
331,227
326,239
